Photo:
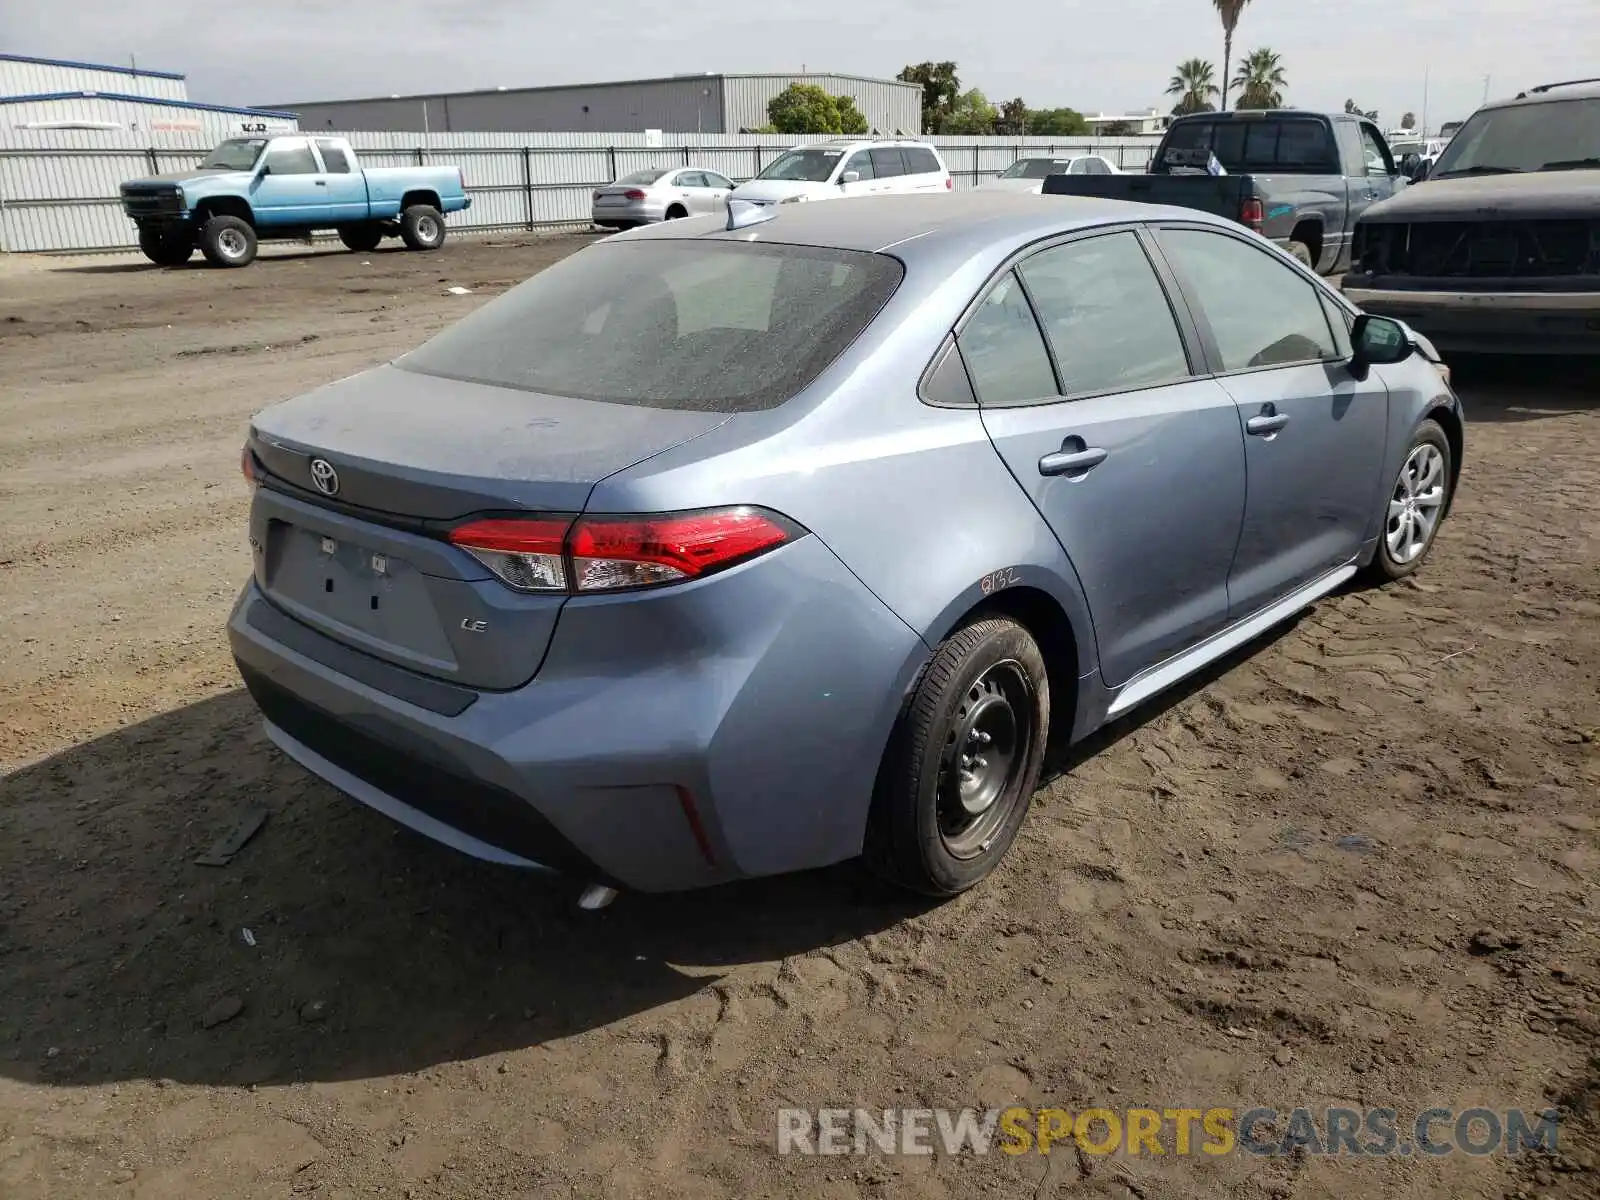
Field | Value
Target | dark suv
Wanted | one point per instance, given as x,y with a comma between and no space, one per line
1498,250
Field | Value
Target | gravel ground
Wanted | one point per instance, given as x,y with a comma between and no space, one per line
1356,866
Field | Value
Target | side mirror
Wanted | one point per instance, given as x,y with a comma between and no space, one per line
1419,169
265,170
850,177
1377,341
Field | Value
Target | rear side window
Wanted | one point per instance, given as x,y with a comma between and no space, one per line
1004,351
680,324
921,161
887,163
1106,315
334,157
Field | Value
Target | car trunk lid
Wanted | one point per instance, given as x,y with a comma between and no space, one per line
364,478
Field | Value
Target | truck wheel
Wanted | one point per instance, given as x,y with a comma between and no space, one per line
963,761
360,238
228,242
1302,255
167,247
422,228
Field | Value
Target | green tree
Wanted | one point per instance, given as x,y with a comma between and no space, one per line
1195,85
1260,80
940,89
1117,129
1057,122
1409,121
972,114
851,118
1355,110
1014,118
1229,11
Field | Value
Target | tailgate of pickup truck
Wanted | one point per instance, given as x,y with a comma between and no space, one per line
1219,194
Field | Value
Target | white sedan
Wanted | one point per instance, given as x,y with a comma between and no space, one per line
1028,174
660,194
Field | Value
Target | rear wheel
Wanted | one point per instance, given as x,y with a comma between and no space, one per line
360,238
167,247
963,762
228,242
1415,505
421,227
1302,255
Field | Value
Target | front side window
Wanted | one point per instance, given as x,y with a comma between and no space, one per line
1372,149
713,180
1106,315
1261,312
708,326
803,166
861,163
1004,350
292,158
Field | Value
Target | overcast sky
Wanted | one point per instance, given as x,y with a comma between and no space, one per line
1105,57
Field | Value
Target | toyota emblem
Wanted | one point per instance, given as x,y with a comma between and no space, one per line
324,477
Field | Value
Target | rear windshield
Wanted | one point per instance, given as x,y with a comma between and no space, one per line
711,326
648,175
1285,144
1036,168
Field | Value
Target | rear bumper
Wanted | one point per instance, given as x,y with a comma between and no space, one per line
735,730
1491,322
623,216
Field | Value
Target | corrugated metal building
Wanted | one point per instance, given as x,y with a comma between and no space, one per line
41,93
24,76
678,104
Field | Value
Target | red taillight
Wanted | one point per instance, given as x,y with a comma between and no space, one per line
634,194
949,183
610,553
597,194
247,464
1251,214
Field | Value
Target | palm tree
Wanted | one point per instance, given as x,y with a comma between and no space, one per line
1229,11
1260,80
1194,85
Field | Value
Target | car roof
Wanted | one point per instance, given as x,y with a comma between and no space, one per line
1264,114
1548,93
927,223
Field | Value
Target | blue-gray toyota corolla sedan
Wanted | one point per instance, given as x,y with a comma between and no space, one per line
744,545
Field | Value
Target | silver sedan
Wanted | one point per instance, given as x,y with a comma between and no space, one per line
660,194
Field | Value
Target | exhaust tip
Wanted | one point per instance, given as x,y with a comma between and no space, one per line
596,896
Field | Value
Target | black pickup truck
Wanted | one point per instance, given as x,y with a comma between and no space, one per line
1301,179
1497,250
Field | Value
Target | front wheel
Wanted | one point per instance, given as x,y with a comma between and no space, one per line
360,238
1415,505
422,227
963,762
169,247
228,242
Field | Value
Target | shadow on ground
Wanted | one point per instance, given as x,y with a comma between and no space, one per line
376,951
1531,388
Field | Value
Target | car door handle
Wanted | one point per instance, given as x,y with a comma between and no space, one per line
320,182
1370,195
1266,424
1074,458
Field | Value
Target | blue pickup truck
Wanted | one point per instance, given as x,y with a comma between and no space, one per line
285,188
1301,179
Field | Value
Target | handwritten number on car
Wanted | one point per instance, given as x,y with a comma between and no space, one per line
996,580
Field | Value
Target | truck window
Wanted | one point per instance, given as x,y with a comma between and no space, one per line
291,158
1244,144
334,157
1372,148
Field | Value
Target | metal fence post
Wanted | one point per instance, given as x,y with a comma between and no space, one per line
527,181
686,155
155,163
611,162
975,172
421,162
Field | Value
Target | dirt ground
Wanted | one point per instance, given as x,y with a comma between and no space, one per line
1272,890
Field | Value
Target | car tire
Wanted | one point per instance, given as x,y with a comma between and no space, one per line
963,761
422,227
167,247
1414,506
360,238
1302,255
676,211
228,242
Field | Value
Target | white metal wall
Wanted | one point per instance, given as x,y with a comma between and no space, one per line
22,78
142,119
58,189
